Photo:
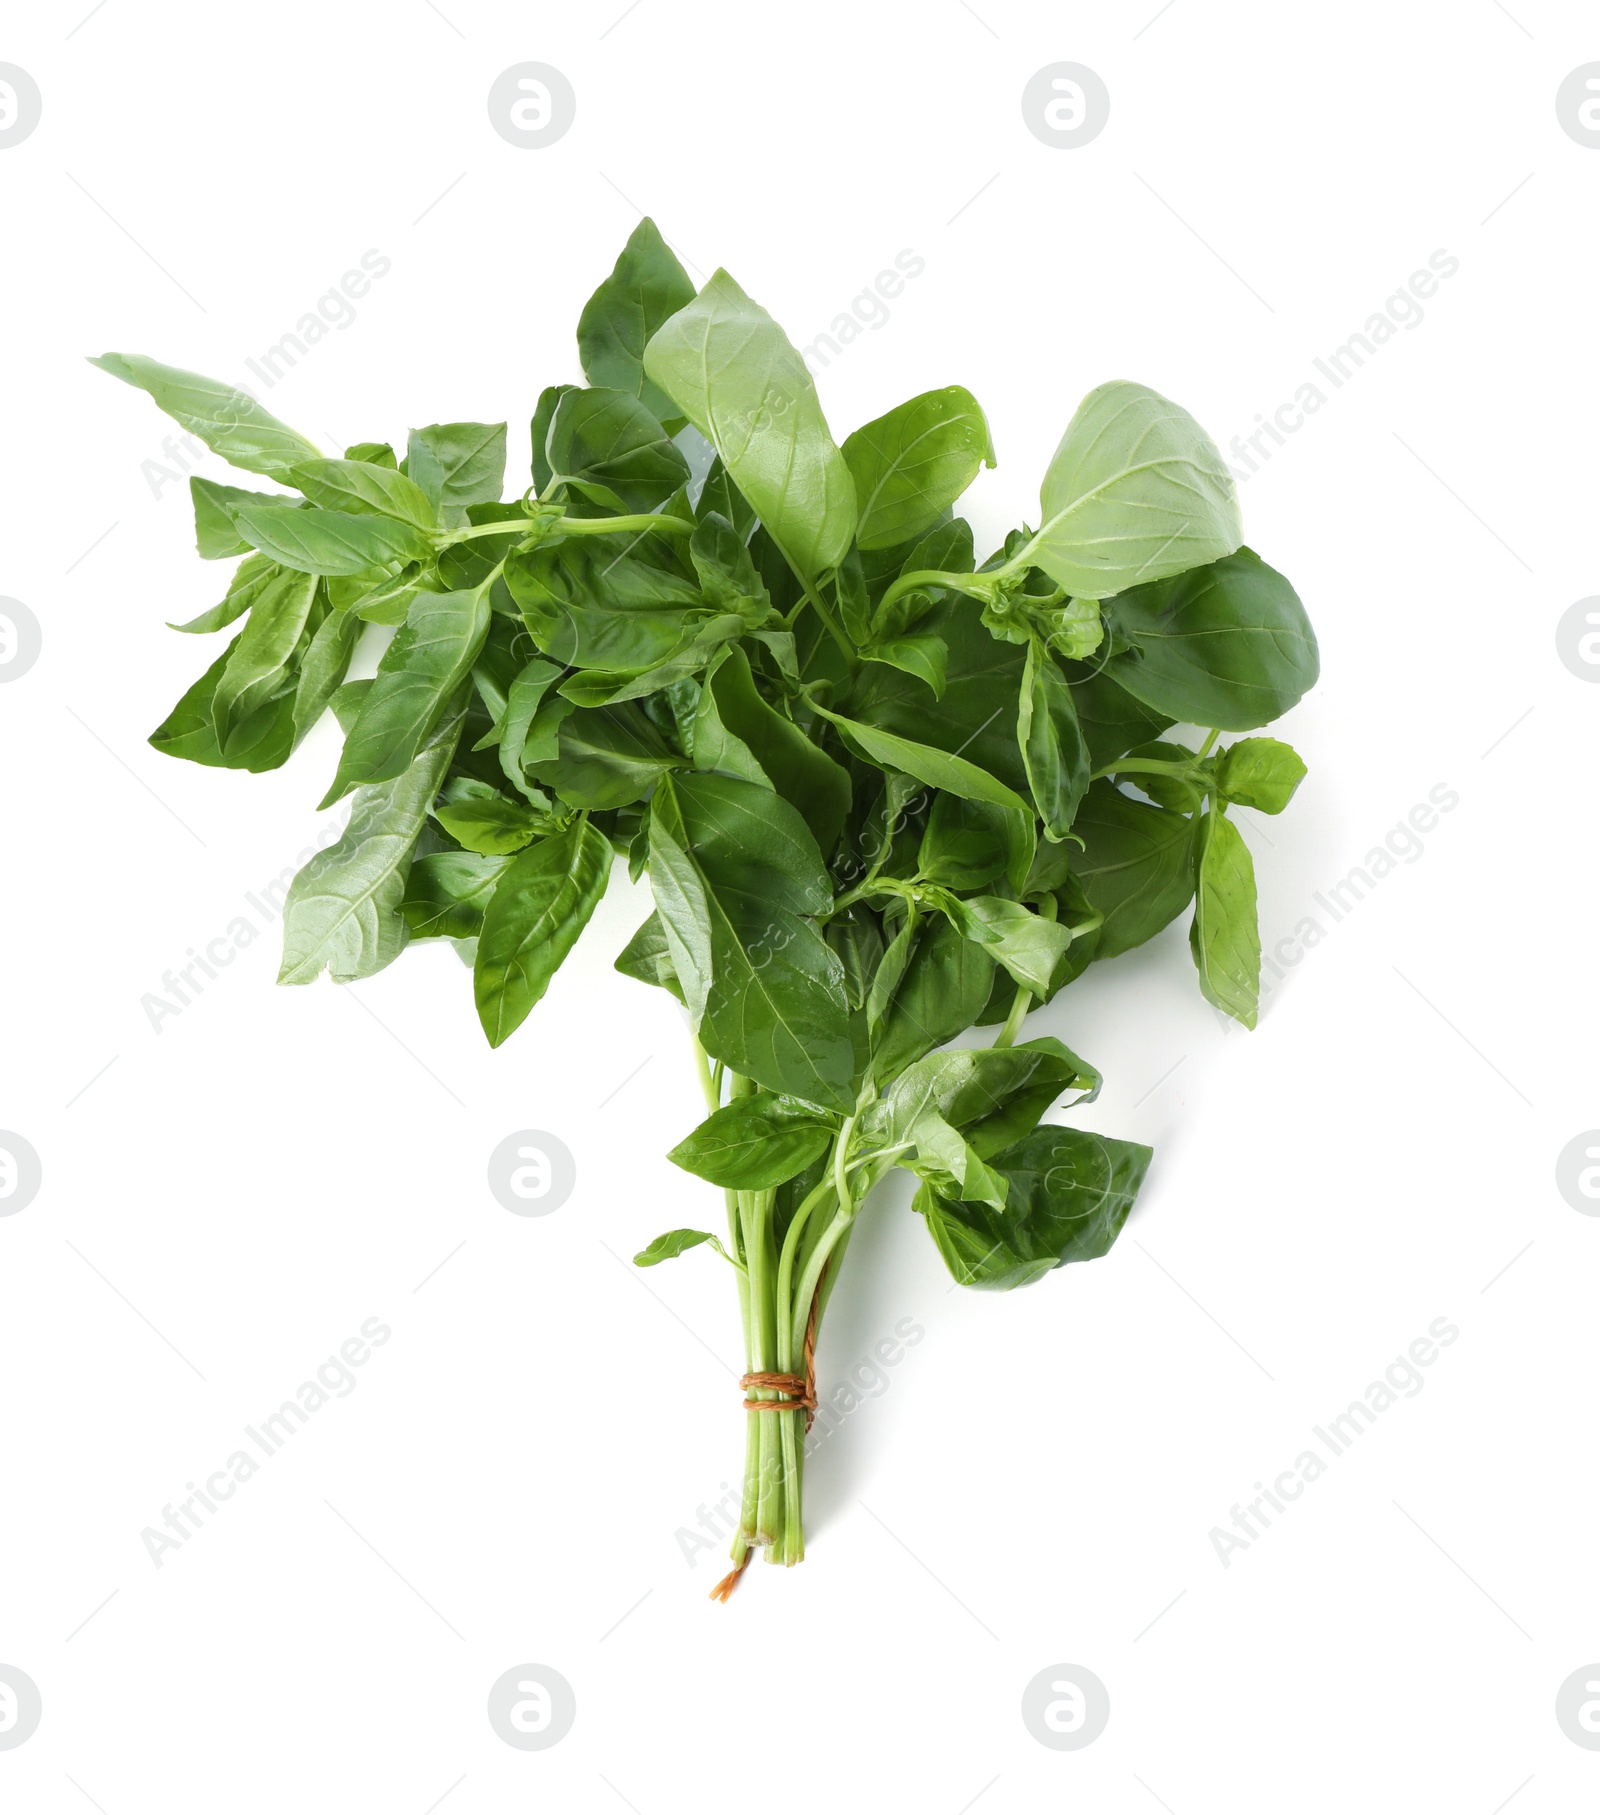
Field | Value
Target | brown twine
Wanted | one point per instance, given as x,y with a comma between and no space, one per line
801,1391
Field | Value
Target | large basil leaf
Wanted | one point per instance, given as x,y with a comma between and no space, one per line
647,285
329,541
1224,936
607,446
911,465
736,873
755,1142
230,422
1137,866
424,665
1112,721
1135,491
935,983
1228,645
365,489
731,370
1069,1193
539,907
993,1095
927,763
1025,943
343,911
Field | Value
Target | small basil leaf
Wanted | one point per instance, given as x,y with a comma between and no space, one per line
755,1143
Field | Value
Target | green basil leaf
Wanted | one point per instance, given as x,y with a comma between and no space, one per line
923,656
523,699
257,664
755,1143
447,892
606,756
1224,937
1137,867
911,465
328,541
965,844
230,422
1228,645
937,768
259,742
1112,720
322,668
735,729
1260,772
425,664
251,578
1053,749
727,574
458,463
736,873
366,490
719,496
672,1244
647,286
540,905
1069,1194
1135,491
1025,943
343,913
731,370
372,453
936,985
607,440
216,536
483,820
647,959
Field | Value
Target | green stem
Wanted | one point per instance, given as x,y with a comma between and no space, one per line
975,585
1013,1022
575,526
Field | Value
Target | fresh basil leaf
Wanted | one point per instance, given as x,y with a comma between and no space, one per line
523,699
1260,772
1053,749
230,422
458,463
256,667
608,445
731,370
328,541
540,905
605,756
421,669
965,844
1069,1194
251,578
923,656
647,286
719,496
1164,790
1025,943
539,432
447,892
736,873
1112,720
672,1244
755,1143
216,536
735,728
322,668
1224,937
937,768
257,743
343,913
1228,645
347,703
372,453
857,942
1135,491
483,820
1137,867
366,490
912,464
727,575
646,958
942,984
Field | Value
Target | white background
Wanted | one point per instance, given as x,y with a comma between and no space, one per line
227,1200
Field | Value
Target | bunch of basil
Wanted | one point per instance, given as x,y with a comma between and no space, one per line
881,791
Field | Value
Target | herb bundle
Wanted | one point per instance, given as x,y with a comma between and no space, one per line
883,793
